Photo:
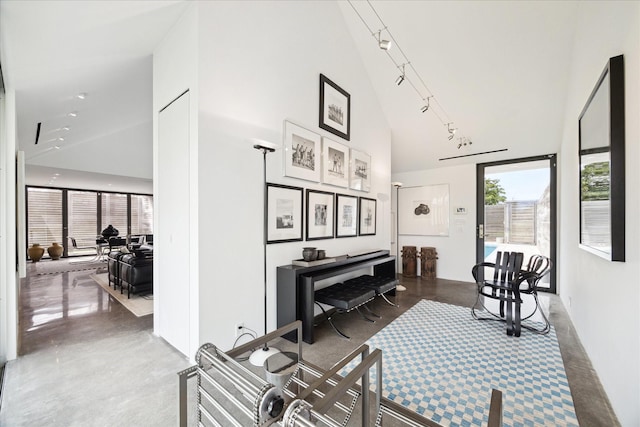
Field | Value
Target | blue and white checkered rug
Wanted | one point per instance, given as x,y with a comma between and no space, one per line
441,363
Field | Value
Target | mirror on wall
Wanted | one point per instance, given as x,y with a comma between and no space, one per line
602,176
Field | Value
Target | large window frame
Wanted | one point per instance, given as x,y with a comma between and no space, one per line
99,214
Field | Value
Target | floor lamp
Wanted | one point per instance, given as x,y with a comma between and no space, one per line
397,184
259,356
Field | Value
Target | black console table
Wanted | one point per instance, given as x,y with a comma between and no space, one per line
296,285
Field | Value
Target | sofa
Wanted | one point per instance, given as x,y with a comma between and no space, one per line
131,271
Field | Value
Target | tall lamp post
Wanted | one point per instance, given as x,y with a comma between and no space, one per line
398,185
259,356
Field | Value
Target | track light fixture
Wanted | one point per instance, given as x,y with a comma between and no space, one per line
426,106
383,44
401,77
371,20
452,131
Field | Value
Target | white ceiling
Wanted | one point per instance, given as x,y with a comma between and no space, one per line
498,71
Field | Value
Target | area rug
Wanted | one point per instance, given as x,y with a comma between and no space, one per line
64,265
140,305
441,363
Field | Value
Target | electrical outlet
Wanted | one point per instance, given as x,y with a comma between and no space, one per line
238,329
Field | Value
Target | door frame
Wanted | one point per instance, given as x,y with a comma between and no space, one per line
553,182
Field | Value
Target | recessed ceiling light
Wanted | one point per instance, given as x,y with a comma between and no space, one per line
73,114
81,95
56,174
60,139
57,147
65,128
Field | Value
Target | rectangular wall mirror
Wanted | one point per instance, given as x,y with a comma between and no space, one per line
602,176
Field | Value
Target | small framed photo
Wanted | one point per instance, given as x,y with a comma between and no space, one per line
320,211
301,148
335,163
367,217
346,215
284,213
335,108
360,175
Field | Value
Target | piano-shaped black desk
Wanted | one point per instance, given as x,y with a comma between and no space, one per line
296,285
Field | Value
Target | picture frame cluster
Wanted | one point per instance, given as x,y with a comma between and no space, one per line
312,157
327,215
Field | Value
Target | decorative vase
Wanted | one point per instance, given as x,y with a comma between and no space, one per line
55,251
321,254
309,254
35,252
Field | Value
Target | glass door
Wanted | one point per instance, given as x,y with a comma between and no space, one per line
517,210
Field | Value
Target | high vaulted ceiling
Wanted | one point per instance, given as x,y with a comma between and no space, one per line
498,71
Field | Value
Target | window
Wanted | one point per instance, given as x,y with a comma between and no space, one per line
44,216
114,212
83,220
141,214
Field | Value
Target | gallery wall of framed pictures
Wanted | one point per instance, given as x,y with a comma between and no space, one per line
322,214
311,157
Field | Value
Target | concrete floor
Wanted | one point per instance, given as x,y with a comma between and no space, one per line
85,360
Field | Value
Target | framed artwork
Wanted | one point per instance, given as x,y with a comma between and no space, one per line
360,175
367,217
284,213
335,163
301,148
320,211
335,108
346,215
424,211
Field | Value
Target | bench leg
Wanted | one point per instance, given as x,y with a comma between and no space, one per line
371,312
389,302
364,317
338,331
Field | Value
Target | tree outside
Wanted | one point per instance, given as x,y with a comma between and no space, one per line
494,194
595,181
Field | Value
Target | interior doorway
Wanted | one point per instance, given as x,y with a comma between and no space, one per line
517,210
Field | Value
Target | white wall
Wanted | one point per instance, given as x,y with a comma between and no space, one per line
259,65
457,251
602,297
175,71
8,274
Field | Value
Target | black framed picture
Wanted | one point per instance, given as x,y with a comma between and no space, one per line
367,217
335,108
346,215
320,214
284,213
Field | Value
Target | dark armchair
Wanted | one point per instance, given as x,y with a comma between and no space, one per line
507,285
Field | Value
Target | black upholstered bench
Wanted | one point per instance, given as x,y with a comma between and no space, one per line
344,297
381,285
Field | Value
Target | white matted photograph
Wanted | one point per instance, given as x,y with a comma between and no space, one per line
320,211
301,148
424,211
367,217
335,163
284,213
346,215
360,174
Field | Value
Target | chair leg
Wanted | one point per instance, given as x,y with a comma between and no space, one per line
516,317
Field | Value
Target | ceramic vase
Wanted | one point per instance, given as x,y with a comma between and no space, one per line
55,251
35,252
321,254
309,254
